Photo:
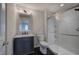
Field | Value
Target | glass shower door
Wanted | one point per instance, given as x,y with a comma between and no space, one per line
52,31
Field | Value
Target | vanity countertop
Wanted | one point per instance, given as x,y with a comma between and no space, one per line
18,36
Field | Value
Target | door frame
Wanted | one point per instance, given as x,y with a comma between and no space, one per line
3,19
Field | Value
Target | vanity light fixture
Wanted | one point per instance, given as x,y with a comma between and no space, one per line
29,12
61,5
24,11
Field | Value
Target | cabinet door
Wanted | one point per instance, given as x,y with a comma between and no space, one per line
28,45
18,46
23,45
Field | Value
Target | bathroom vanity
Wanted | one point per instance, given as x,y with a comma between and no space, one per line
23,45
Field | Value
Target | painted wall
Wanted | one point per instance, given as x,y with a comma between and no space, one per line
11,26
38,18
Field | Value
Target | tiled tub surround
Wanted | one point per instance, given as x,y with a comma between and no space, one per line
55,49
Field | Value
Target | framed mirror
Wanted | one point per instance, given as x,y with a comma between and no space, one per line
24,23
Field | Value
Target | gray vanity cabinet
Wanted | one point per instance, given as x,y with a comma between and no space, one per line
23,45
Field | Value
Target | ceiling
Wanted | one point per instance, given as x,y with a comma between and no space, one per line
54,7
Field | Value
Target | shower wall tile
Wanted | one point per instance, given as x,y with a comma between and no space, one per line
69,22
51,38
69,42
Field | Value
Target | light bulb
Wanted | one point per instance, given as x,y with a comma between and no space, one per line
61,5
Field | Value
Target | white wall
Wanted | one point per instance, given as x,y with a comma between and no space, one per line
38,18
11,26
